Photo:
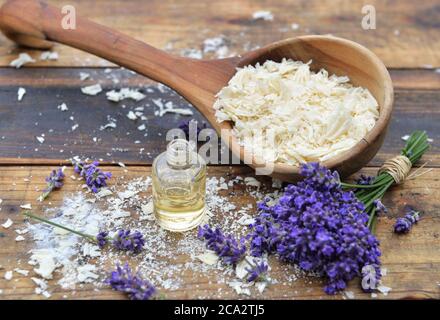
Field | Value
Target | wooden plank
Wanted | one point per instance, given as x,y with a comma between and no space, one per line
406,33
412,261
21,122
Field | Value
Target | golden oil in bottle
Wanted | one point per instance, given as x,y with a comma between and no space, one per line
179,187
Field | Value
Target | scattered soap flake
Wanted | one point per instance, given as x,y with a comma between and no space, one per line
40,139
349,294
131,115
384,289
19,238
26,206
49,55
92,90
46,261
262,14
8,275
86,273
125,93
209,257
63,107
22,272
168,107
23,58
84,76
7,224
192,53
90,250
405,137
20,93
216,45
251,181
294,26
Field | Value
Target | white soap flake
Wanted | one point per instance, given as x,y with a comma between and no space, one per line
22,272
45,259
20,93
63,107
168,107
7,224
262,14
26,206
92,90
216,45
49,55
294,26
8,275
384,289
84,76
23,58
86,273
40,139
251,181
349,294
405,137
91,250
131,115
20,238
209,257
125,93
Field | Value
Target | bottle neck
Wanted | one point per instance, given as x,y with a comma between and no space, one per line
180,153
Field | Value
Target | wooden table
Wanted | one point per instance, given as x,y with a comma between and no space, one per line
407,39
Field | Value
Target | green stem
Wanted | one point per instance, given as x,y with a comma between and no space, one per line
84,235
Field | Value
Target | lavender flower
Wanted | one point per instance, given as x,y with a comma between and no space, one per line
380,207
319,227
94,177
365,180
257,272
404,225
54,181
123,280
102,239
185,126
227,247
128,241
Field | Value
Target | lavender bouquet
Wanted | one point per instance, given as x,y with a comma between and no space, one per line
370,190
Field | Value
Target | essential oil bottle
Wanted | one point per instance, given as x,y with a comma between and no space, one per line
179,187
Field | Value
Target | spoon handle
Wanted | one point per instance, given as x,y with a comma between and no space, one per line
36,24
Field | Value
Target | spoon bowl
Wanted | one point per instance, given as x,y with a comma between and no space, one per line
36,24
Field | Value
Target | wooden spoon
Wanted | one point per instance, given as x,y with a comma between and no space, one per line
36,24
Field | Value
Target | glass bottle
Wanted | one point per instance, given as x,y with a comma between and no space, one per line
179,187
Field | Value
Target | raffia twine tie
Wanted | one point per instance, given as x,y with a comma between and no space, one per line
397,167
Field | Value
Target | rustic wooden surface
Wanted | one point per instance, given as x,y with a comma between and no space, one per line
411,54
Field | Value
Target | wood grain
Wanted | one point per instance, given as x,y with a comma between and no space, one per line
412,261
21,122
406,35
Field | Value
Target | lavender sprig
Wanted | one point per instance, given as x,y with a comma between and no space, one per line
415,147
54,181
226,247
257,272
95,178
124,280
404,225
125,240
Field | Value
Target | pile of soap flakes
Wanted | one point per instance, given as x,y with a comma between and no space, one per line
168,258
